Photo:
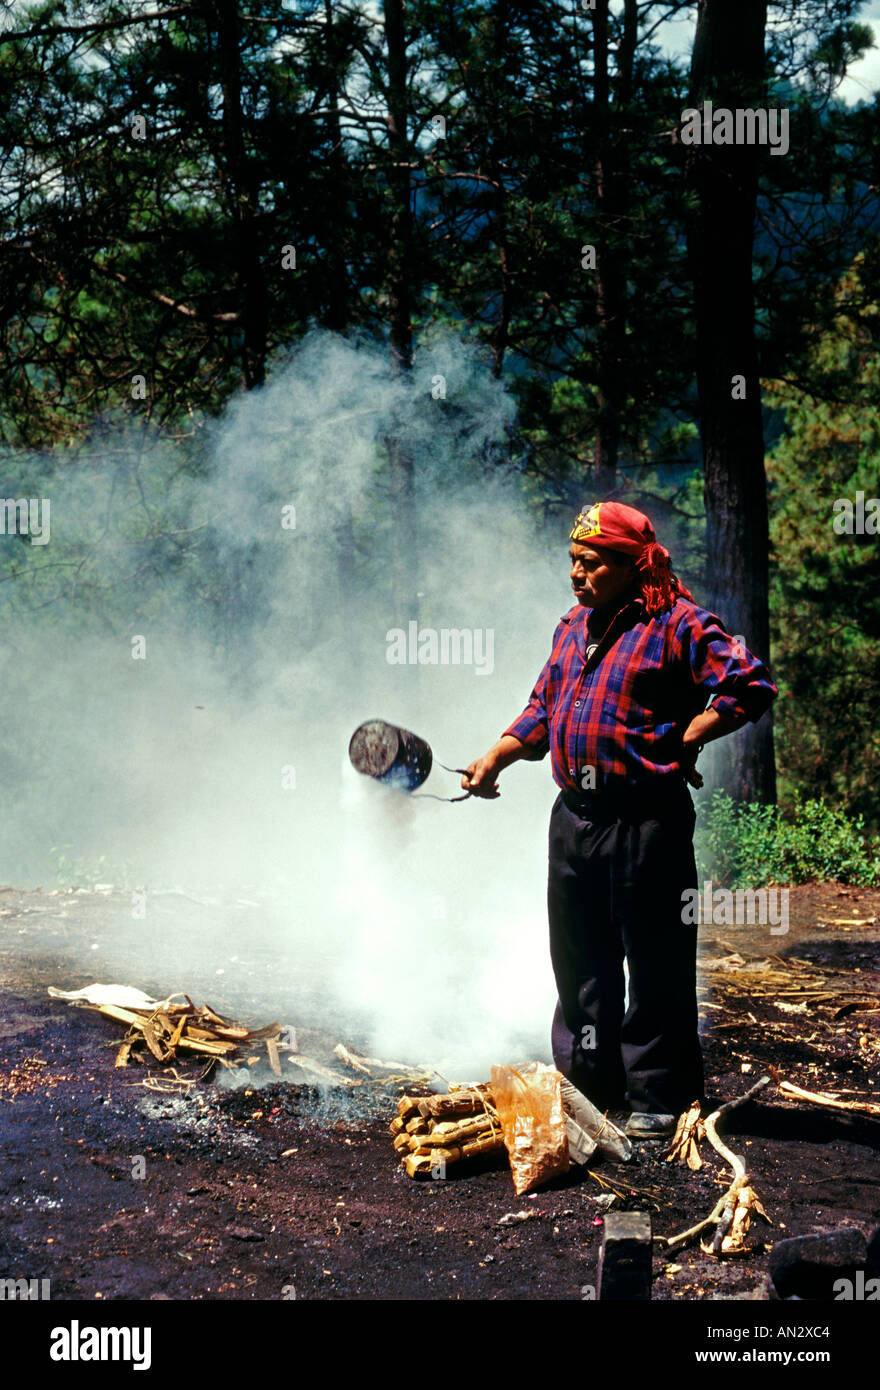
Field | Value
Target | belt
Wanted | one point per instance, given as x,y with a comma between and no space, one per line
667,795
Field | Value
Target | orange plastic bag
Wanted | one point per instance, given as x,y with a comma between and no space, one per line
529,1104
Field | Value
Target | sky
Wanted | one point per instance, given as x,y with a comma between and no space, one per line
864,78
675,38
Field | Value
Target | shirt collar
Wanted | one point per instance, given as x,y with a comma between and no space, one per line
637,603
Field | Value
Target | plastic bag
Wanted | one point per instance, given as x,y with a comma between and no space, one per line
529,1104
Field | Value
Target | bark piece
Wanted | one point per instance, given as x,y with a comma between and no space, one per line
689,1131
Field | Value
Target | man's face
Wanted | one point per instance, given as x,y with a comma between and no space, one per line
600,576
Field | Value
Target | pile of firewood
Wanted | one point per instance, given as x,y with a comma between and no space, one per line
431,1132
160,1032
166,1030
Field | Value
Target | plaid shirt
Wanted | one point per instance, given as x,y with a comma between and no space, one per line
625,710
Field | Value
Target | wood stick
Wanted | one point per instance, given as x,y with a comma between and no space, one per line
711,1121
359,1061
719,1214
861,1107
350,1060
272,1051
315,1071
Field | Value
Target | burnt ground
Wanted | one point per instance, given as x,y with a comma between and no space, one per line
276,1192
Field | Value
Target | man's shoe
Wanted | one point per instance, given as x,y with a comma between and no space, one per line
650,1126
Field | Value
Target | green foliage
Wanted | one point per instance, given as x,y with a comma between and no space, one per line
157,252
825,586
740,845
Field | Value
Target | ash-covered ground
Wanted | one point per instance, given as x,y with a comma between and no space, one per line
273,1191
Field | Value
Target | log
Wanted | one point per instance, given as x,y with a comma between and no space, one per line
408,1106
450,1132
482,1146
460,1104
420,1165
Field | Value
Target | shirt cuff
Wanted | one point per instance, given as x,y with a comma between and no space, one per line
730,706
532,733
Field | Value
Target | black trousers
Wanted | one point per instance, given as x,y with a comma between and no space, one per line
618,868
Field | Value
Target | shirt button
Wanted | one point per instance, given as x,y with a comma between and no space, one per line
576,703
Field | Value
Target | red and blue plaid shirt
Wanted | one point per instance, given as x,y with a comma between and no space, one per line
624,712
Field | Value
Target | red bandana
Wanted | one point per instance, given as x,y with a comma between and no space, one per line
613,526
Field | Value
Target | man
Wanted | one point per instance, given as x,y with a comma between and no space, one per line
621,706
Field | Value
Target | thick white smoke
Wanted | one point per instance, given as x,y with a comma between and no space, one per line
198,739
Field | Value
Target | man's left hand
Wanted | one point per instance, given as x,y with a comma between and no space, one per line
691,750
701,730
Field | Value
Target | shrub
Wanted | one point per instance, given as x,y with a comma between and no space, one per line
743,845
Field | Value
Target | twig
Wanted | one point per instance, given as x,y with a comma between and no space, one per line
722,1213
788,1088
711,1121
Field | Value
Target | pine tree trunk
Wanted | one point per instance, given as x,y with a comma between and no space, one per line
338,290
728,70
242,195
612,216
402,473
500,336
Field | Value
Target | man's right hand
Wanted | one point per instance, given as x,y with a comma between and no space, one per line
479,778
480,775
